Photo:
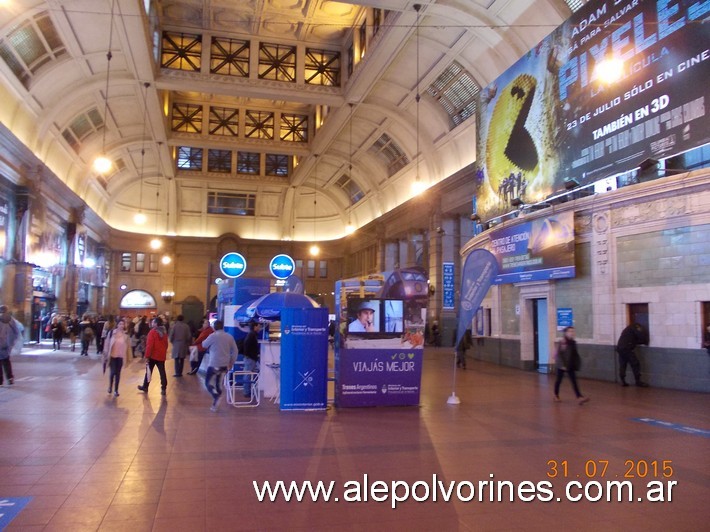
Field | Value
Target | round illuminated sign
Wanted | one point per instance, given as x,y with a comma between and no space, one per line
282,266
233,265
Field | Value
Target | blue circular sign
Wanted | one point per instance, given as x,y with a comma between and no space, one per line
282,266
233,265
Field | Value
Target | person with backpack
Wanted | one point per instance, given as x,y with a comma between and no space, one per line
9,334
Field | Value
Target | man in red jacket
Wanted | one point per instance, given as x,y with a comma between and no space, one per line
156,348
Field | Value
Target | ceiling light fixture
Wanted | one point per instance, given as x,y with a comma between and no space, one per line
140,218
417,186
102,164
315,250
350,228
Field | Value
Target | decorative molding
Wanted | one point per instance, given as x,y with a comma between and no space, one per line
649,211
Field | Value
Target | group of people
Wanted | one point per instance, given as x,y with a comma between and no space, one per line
568,360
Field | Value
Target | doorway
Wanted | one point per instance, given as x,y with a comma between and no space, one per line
541,334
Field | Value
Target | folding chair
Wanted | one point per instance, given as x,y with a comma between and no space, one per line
234,386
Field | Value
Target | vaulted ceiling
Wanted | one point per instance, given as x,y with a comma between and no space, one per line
270,119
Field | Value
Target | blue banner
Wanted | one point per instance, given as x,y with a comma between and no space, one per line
304,359
477,276
448,281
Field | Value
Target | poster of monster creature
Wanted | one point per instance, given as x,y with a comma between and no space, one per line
553,116
518,142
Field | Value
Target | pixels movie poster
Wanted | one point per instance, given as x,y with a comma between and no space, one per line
551,117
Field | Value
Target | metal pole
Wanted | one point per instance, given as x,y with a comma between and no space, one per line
453,399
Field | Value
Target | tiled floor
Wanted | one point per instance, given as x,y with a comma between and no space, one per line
94,462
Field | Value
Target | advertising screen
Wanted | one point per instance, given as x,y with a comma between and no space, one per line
375,318
556,114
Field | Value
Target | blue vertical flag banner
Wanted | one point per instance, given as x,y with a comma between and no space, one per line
448,282
479,271
304,358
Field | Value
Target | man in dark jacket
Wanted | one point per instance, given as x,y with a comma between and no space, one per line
630,337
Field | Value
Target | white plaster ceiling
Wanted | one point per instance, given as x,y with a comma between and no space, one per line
484,37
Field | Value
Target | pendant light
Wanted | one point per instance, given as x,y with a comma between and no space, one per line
140,217
315,250
417,186
102,164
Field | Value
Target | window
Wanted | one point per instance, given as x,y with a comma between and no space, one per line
140,262
224,121
322,67
126,261
153,262
187,118
638,313
456,92
323,269
363,39
706,323
31,45
351,188
277,62
189,158
181,51
231,203
259,125
574,5
378,16
219,161
388,150
229,57
294,128
247,163
299,267
311,271
351,60
81,127
276,165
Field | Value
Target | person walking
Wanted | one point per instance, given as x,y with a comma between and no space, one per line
181,338
567,360
251,355
631,336
9,335
73,326
205,331
86,334
57,333
117,346
465,343
106,329
156,349
221,355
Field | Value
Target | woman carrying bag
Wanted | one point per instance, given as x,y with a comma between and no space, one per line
567,360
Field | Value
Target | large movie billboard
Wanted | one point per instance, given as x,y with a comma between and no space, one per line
534,251
552,117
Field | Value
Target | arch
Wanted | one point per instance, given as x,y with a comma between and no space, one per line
137,299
